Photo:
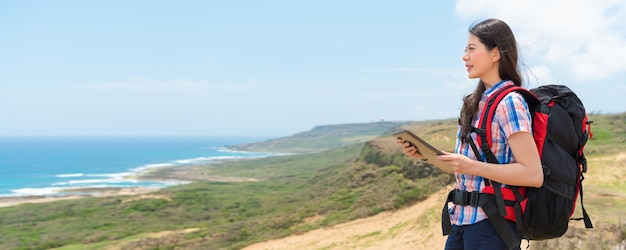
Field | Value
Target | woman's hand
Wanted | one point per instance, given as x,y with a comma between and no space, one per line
526,172
459,163
410,150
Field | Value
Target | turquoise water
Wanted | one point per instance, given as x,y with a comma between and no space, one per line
49,165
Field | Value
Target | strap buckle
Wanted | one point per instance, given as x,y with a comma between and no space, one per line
464,198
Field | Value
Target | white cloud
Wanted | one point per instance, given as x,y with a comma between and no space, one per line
579,40
538,75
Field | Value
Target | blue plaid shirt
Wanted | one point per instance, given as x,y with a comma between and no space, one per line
512,116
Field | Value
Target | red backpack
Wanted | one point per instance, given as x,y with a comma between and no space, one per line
560,130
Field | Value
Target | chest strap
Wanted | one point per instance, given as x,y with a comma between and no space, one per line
464,198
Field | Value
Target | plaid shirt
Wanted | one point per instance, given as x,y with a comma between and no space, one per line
511,116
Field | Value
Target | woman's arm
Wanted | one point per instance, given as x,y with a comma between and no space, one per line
526,171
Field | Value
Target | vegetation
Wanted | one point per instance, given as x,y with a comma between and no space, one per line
325,137
293,194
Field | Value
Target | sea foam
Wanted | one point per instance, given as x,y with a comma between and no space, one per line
63,164
70,175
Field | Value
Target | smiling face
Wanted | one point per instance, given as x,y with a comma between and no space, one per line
481,62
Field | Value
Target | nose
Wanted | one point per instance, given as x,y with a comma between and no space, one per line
465,57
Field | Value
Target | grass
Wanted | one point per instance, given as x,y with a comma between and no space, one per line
393,231
604,184
336,186
325,137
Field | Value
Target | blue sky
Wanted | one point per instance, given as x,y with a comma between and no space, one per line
275,68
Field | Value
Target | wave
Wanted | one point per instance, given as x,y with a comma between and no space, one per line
230,150
121,179
61,191
66,182
35,191
210,159
183,162
93,181
159,165
195,160
70,175
113,175
251,153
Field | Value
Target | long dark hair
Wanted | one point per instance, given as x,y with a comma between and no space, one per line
492,33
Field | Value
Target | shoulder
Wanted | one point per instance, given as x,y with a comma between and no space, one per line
512,102
514,97
513,109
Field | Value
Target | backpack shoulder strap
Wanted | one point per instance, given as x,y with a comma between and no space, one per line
483,138
489,111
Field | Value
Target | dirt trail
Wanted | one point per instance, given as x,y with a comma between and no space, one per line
416,227
419,226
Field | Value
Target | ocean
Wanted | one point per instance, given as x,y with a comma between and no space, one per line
49,165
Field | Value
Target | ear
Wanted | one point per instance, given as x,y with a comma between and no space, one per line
495,54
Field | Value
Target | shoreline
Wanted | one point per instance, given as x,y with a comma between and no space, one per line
77,193
181,174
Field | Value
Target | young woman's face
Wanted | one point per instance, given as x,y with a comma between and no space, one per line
480,62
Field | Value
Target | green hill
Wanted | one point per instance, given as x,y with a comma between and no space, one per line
348,177
324,137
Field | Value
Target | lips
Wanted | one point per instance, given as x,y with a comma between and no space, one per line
468,67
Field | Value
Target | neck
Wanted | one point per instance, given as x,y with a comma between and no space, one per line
490,82
491,78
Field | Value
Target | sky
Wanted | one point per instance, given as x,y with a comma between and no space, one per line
276,68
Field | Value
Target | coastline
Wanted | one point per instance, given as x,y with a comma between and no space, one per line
181,174
79,193
85,166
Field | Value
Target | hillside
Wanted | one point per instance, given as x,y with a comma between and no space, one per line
418,226
365,195
281,195
324,137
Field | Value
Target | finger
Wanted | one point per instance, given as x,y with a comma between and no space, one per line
407,149
445,157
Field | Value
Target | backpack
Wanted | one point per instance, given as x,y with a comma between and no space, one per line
560,130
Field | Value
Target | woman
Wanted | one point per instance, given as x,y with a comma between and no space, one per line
490,56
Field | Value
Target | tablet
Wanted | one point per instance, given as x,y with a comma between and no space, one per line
424,148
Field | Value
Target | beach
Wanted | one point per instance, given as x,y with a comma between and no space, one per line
44,169
182,174
75,194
